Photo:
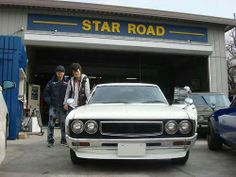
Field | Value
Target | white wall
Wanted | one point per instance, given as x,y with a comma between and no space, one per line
217,60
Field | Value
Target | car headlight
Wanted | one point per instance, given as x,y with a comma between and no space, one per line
185,127
171,127
77,126
91,127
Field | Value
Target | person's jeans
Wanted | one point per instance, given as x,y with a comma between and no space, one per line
55,113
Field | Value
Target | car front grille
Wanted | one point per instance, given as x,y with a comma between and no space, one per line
131,128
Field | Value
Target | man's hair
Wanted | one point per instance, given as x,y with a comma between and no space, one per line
76,66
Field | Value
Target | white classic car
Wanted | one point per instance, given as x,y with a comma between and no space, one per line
130,121
4,119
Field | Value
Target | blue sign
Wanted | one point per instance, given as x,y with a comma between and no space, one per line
115,27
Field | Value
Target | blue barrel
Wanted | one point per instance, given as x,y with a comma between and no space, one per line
12,58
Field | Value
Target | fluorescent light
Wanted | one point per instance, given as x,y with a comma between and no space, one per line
94,77
131,78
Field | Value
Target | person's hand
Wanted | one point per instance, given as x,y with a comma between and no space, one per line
65,107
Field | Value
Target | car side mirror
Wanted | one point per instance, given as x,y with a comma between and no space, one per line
213,106
8,85
70,102
188,101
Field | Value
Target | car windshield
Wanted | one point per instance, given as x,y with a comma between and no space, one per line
219,100
127,94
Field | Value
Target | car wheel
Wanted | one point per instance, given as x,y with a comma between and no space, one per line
213,139
75,160
182,160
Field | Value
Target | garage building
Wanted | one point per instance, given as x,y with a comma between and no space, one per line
120,44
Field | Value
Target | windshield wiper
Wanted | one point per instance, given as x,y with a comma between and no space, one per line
153,101
208,104
113,102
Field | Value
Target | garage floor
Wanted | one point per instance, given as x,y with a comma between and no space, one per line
32,158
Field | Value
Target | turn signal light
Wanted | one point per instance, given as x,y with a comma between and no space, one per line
84,144
179,143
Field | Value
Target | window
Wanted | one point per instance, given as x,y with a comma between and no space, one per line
127,94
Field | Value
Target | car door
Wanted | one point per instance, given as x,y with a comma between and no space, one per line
227,124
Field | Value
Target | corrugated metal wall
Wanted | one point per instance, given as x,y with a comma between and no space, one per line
217,60
12,57
13,19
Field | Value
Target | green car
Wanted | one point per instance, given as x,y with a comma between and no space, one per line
206,103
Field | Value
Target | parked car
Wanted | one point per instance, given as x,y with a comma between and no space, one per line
222,128
130,121
206,103
4,119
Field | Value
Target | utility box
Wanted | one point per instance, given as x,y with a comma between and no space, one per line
33,97
12,66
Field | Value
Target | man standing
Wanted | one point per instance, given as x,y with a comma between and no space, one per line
78,87
54,94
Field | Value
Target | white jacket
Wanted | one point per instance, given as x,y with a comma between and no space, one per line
75,93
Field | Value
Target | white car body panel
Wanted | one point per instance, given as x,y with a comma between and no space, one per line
165,151
137,112
131,111
3,122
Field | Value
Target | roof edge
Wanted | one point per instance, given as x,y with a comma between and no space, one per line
229,23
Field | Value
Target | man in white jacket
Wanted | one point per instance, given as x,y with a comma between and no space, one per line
78,88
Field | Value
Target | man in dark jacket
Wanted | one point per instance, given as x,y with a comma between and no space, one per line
54,94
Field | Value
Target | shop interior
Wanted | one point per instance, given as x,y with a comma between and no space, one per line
106,66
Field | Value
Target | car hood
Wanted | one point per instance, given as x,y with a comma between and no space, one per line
206,110
128,111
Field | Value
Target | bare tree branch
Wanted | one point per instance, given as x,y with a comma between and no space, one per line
231,59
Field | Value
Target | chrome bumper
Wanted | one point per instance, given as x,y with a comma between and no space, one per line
162,148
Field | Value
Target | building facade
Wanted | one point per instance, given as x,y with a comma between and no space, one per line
116,44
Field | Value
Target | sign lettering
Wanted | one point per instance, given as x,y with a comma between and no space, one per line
116,27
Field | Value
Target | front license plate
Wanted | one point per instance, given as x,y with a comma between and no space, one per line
131,149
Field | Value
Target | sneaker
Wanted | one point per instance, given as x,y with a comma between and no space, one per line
64,144
50,145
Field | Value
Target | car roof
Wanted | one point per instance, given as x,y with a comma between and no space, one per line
207,93
126,84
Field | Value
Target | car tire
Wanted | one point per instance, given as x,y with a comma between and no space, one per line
75,160
213,140
182,160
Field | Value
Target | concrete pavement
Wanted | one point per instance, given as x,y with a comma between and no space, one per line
31,158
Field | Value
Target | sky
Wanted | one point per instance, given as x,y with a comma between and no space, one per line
217,8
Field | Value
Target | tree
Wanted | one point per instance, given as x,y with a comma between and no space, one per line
231,60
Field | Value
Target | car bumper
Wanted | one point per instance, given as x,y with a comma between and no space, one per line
202,122
202,125
2,146
154,148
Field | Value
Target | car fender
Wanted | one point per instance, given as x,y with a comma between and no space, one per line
214,122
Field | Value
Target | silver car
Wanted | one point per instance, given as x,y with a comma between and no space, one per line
4,119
